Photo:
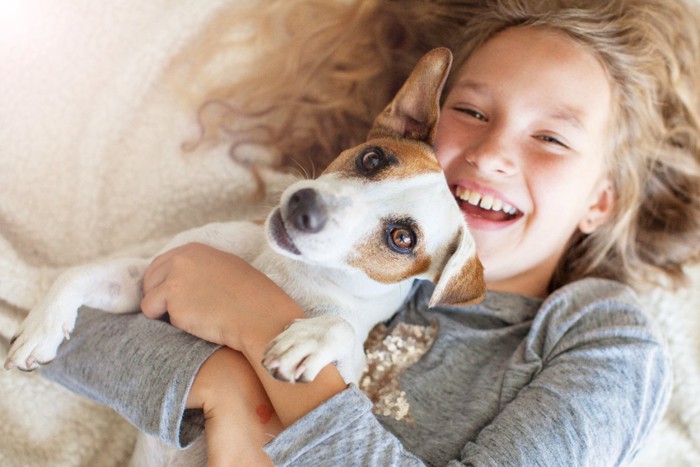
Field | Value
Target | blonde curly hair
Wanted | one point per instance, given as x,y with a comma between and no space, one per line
327,68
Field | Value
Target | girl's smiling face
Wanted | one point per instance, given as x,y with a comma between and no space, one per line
522,139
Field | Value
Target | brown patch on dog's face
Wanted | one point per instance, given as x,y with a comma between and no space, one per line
383,260
384,159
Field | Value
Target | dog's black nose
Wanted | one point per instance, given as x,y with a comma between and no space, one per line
306,211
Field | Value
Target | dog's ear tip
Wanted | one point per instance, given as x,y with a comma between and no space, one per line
440,55
437,300
443,51
461,283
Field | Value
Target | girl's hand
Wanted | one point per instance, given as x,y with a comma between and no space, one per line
220,298
215,296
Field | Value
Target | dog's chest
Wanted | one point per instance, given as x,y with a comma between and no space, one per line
317,290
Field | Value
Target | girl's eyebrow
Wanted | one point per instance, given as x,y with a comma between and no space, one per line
472,86
568,116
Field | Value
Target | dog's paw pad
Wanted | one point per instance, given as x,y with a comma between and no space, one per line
301,351
299,362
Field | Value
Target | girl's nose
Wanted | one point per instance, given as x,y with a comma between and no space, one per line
492,154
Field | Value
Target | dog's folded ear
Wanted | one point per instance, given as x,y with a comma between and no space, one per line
461,281
415,110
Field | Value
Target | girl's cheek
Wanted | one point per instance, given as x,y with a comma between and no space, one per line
447,163
447,145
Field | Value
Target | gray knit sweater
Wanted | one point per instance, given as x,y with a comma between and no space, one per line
577,379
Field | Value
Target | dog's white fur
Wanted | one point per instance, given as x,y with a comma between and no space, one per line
328,244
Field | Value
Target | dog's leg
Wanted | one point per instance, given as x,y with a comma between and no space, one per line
307,345
114,286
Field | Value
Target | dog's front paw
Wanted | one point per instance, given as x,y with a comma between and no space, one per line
300,352
39,337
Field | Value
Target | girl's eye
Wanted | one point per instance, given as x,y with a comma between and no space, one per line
401,239
473,113
552,140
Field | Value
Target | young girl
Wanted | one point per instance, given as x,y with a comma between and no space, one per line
570,135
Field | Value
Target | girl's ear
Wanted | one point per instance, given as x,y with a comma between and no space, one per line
602,203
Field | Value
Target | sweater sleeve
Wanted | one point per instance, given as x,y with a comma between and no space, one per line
342,431
141,368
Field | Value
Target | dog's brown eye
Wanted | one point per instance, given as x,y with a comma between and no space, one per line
402,239
371,160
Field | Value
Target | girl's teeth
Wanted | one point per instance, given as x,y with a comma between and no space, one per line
474,198
484,201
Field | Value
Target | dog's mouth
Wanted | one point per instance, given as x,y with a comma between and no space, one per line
279,235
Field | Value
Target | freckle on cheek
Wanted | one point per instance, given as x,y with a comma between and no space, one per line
264,413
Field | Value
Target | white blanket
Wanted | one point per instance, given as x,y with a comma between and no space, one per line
91,127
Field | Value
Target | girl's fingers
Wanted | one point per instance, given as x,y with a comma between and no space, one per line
154,303
158,270
155,274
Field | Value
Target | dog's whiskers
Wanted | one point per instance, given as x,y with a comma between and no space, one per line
302,170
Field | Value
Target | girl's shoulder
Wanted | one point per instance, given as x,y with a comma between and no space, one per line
594,309
582,293
593,290
589,300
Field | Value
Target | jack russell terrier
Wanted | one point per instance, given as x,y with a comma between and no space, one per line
346,246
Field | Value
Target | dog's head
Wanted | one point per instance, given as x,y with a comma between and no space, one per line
384,206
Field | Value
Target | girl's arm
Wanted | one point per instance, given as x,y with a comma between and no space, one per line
139,367
239,307
233,304
145,369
